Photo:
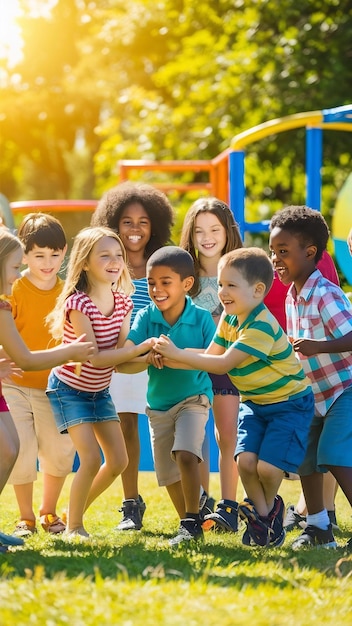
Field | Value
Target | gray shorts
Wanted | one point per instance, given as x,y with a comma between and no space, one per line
182,427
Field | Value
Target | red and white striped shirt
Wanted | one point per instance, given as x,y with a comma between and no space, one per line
106,330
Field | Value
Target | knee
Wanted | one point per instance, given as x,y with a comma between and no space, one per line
247,464
129,426
185,459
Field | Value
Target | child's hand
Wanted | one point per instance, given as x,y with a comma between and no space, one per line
146,346
80,350
155,359
8,369
307,347
166,347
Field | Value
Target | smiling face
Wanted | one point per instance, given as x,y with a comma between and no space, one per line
43,266
168,290
134,228
236,295
11,270
105,263
209,235
293,261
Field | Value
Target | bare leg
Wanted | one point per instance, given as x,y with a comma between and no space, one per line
24,497
52,487
261,481
9,447
85,442
188,465
110,438
313,492
343,476
129,477
204,466
330,487
176,495
225,409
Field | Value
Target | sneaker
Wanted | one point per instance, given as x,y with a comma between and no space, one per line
314,536
132,515
25,528
10,540
276,519
190,531
52,524
293,519
225,516
259,530
206,506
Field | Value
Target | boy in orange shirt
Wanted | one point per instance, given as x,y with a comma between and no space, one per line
33,297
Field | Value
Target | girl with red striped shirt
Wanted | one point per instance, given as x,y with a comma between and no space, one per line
96,301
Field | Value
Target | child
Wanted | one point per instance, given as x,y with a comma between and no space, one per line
208,232
276,398
11,253
319,321
94,300
142,216
33,297
178,400
9,445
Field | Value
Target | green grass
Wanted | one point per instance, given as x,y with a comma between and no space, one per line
135,579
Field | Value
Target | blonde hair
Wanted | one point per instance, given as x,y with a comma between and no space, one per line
8,244
77,279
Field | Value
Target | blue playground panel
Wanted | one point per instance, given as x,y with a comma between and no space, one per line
146,462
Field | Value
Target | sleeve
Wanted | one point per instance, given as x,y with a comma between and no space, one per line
140,328
335,313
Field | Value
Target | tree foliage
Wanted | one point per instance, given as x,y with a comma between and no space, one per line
172,79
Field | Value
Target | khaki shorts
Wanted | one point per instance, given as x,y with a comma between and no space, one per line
180,428
39,437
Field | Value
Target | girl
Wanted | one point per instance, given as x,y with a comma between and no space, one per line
11,253
95,300
142,216
208,232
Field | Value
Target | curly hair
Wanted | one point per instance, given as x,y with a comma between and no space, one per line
160,212
307,225
225,216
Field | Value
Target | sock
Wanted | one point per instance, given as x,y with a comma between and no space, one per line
320,520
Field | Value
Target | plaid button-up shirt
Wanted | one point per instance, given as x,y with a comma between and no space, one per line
321,311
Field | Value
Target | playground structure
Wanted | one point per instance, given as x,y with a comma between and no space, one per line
226,180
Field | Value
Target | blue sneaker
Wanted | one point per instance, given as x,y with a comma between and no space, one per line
276,519
313,536
225,516
258,530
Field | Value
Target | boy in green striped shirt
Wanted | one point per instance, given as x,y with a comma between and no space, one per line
277,403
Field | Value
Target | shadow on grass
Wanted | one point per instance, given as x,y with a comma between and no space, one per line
221,560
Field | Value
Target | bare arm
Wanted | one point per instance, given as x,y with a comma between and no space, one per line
107,358
310,347
13,344
211,360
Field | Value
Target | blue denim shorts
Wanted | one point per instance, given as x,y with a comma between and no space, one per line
71,406
330,438
277,433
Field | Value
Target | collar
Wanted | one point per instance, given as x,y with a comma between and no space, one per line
307,289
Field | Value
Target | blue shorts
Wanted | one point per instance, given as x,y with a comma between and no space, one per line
71,406
330,438
277,433
222,385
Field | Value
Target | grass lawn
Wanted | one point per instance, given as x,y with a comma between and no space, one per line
135,579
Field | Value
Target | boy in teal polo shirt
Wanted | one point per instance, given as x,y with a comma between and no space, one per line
178,399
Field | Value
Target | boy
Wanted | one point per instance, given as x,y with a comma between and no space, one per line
319,320
178,399
276,398
33,297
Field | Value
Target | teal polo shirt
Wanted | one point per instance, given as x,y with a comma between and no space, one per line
194,329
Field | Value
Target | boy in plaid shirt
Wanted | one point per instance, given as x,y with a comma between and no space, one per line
319,322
